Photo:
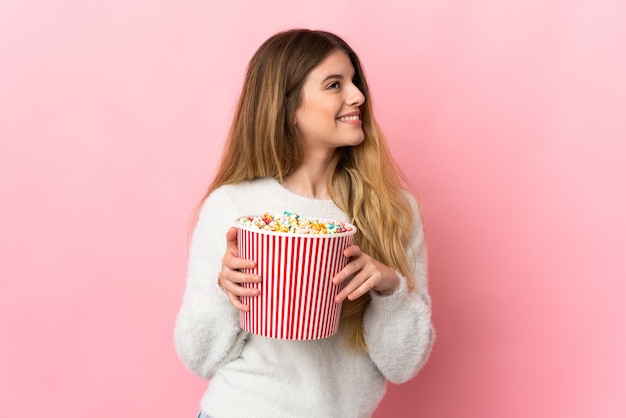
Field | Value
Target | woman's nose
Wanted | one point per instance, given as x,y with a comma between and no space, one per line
355,97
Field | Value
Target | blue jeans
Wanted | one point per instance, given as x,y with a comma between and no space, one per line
203,415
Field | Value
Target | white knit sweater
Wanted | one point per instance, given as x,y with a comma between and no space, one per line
253,376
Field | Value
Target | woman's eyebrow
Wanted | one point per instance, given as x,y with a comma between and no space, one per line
331,77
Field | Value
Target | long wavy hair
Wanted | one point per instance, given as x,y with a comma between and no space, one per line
365,181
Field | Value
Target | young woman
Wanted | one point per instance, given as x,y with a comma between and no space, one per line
304,139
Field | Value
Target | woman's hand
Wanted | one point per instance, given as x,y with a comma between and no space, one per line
368,274
230,278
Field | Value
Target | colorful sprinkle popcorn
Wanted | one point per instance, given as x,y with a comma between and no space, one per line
293,223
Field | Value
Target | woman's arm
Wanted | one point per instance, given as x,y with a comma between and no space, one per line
207,332
397,327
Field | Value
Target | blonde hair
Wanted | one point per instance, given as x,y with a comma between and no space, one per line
365,182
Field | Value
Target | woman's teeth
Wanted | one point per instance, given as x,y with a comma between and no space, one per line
347,118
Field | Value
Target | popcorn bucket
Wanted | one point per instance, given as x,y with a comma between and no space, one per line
297,294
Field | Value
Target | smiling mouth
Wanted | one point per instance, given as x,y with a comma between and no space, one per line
348,118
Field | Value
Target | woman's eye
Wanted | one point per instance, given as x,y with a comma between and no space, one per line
334,85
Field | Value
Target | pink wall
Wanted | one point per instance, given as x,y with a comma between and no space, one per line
509,117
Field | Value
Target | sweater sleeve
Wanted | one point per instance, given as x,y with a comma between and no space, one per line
398,328
207,332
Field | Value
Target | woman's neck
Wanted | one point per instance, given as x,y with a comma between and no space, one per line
310,180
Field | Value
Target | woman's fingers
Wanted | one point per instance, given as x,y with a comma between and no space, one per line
366,273
231,276
234,300
232,285
231,237
236,264
354,253
232,280
231,257
359,285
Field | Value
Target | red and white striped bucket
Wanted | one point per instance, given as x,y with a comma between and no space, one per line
297,293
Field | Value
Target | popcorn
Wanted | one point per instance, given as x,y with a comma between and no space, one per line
293,223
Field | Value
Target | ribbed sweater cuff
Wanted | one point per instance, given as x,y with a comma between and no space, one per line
387,305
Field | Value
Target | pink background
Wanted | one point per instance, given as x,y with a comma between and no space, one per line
508,116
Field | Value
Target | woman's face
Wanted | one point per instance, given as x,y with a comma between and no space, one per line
329,112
